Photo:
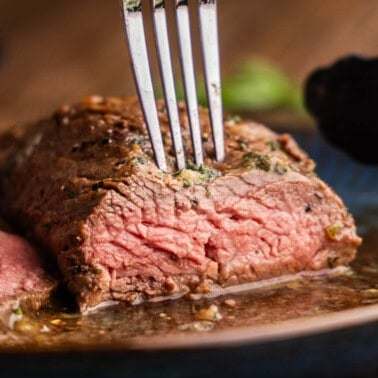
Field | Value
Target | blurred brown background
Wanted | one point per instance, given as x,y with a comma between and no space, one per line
54,52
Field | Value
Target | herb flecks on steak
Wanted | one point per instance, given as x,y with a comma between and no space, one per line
85,185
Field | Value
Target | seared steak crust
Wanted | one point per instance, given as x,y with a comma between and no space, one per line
84,185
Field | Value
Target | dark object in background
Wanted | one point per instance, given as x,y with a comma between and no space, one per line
344,100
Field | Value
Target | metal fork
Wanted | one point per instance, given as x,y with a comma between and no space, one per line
133,17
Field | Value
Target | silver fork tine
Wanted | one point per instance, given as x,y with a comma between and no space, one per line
132,12
185,45
165,63
210,53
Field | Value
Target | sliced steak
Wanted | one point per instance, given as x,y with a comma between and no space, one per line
84,184
23,279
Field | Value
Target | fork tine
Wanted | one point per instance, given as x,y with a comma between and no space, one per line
132,12
186,56
210,53
165,63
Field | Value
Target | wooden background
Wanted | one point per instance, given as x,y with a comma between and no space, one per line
54,52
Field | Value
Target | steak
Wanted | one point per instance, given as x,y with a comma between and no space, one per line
84,185
23,279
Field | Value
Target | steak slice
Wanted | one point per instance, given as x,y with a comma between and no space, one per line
23,279
84,184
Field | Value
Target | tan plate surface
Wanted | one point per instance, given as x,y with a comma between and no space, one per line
266,333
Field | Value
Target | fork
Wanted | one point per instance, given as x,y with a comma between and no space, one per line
134,30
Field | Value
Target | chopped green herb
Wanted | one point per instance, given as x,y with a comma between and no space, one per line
139,140
254,160
331,261
133,5
280,169
196,175
171,162
139,160
177,173
206,171
333,231
241,144
274,146
159,3
234,119
190,165
187,183
18,311
209,172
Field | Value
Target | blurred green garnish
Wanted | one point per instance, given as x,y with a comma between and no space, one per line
260,85
256,85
